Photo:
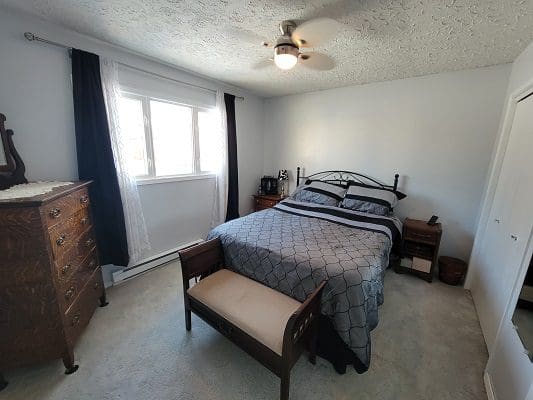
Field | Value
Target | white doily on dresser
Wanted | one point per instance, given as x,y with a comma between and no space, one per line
30,189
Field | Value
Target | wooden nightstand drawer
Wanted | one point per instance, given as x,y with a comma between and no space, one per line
421,250
262,202
265,203
422,237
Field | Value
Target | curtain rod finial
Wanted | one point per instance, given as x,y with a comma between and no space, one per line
29,36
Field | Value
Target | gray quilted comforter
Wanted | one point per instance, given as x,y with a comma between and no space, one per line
294,246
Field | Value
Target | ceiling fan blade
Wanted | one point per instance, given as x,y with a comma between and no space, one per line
264,63
317,61
247,36
316,32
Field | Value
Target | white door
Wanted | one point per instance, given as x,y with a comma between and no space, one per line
530,394
496,271
509,368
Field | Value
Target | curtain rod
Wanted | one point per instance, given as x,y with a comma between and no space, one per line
34,38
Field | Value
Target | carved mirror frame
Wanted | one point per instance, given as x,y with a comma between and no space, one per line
11,173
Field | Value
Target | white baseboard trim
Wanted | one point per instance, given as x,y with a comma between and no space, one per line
150,263
488,386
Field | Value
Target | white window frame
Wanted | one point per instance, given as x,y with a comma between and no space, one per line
151,177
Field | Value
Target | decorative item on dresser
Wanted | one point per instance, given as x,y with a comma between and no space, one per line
269,185
283,176
420,248
264,201
50,277
11,165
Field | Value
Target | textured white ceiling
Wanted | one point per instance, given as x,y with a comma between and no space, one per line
381,39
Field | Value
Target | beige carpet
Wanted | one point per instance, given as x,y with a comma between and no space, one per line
428,345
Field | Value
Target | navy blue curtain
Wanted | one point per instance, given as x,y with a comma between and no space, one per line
232,211
95,158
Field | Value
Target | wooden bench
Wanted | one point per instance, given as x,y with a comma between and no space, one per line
270,326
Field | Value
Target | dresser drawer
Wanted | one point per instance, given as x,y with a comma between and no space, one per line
84,244
73,258
81,311
65,235
61,209
69,289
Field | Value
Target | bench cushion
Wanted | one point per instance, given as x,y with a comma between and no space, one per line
256,309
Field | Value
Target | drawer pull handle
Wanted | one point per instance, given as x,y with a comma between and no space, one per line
497,220
92,263
96,286
84,199
55,213
60,240
84,221
69,293
89,242
76,320
65,269
514,237
422,235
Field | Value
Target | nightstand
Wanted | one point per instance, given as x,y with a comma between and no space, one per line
420,248
264,201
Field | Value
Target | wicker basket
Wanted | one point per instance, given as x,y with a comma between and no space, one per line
452,270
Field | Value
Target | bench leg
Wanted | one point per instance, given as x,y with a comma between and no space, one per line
188,319
3,382
284,386
312,348
103,300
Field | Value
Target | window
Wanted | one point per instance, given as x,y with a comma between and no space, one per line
166,139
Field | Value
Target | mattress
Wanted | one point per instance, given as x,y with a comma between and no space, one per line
294,246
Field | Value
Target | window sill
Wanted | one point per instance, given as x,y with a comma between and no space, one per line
177,178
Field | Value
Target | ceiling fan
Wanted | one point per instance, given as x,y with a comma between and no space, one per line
312,33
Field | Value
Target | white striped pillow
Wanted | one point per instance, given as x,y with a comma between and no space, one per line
318,192
372,200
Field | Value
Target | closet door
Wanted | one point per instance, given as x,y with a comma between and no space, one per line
530,394
487,292
508,220
510,368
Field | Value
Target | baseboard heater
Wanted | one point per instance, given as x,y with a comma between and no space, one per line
150,263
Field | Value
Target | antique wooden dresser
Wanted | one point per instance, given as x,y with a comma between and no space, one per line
50,278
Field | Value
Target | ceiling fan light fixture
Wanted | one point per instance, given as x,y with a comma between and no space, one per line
286,56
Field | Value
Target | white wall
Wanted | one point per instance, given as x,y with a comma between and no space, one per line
436,131
36,97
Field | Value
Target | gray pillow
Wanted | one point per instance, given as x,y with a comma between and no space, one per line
318,192
370,200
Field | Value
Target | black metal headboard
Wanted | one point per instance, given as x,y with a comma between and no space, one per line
343,177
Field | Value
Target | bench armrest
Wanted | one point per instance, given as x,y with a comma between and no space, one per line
299,322
201,259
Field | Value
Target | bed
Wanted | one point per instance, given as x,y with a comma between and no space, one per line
297,244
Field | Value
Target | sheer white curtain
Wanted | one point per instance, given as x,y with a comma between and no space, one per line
218,215
136,232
